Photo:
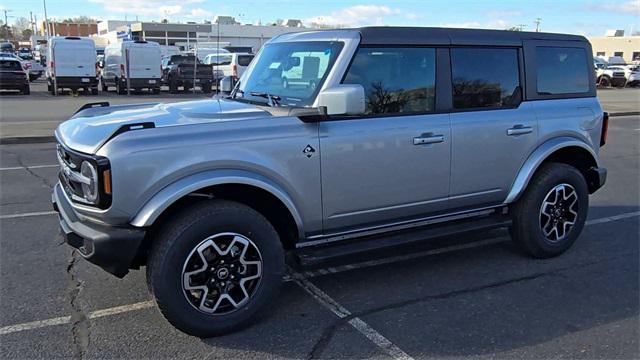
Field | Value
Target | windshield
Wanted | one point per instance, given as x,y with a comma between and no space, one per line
291,72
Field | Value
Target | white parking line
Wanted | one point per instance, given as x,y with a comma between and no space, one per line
325,300
28,167
146,304
67,319
23,215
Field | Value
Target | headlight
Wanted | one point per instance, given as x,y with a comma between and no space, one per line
90,190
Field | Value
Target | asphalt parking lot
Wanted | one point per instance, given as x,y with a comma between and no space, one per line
472,297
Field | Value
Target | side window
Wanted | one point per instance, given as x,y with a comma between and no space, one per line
244,60
485,78
395,80
561,70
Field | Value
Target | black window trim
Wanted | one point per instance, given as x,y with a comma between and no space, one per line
531,74
521,79
438,63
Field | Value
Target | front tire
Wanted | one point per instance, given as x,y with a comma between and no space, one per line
214,267
551,214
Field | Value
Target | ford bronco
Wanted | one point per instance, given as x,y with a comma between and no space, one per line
402,135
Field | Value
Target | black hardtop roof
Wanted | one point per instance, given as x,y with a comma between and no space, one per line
392,35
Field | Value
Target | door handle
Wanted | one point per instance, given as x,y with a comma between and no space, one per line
519,130
429,138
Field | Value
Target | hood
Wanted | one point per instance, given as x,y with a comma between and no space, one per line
89,129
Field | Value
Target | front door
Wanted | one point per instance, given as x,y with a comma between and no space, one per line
393,163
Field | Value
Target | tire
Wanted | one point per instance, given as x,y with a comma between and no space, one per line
26,90
604,81
173,87
121,90
103,85
532,229
207,88
94,90
155,91
177,248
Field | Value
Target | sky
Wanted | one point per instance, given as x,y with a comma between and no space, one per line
584,17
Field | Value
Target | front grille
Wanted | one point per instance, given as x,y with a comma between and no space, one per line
618,74
70,163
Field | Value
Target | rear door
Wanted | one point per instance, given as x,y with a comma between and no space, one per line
74,58
492,130
392,163
144,61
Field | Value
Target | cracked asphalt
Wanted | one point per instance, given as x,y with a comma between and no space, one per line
486,301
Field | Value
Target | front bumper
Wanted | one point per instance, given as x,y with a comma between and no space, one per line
110,247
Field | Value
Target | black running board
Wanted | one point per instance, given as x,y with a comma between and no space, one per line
311,256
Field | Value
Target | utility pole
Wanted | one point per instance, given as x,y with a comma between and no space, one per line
537,22
521,26
46,20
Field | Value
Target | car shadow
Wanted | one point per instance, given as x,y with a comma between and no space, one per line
473,301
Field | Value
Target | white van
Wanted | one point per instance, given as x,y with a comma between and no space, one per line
232,64
71,64
132,63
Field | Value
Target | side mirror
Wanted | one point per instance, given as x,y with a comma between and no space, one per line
226,84
343,100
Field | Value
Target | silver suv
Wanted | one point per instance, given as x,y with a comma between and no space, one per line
396,135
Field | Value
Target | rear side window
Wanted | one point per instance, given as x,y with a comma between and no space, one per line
244,60
485,78
10,65
562,70
395,80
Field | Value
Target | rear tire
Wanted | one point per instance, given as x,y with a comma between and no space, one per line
551,213
120,89
173,87
184,249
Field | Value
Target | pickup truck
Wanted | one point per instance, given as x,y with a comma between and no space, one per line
178,70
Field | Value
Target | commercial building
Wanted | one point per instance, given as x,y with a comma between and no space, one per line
68,29
187,35
107,26
616,44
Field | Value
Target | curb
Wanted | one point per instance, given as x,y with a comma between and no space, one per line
627,113
19,140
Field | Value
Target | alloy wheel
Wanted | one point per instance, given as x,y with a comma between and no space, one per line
222,273
559,212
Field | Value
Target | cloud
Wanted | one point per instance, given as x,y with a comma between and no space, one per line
150,8
503,13
358,15
497,24
629,7
200,13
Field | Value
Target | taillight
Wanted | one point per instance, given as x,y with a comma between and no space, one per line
605,128
234,70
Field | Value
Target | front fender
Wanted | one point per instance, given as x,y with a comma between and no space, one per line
538,157
175,191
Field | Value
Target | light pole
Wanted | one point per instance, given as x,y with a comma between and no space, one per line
46,21
537,22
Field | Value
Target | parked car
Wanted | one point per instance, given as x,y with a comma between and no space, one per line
131,63
13,76
631,73
178,70
233,64
409,134
607,77
72,65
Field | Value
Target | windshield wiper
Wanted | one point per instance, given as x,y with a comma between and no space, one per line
274,100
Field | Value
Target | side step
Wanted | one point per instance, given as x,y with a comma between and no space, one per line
315,255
